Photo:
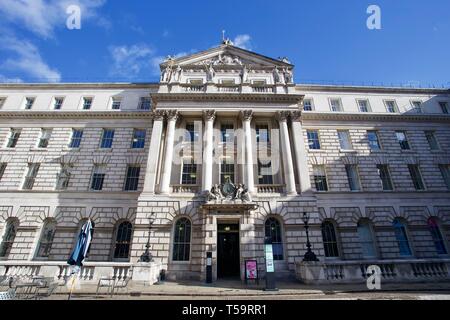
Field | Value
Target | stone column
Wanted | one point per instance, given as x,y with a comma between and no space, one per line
153,153
246,120
289,176
209,117
300,153
172,116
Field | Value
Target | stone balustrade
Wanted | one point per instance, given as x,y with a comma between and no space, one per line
270,188
185,188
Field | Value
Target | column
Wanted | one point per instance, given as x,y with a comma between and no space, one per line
289,177
300,153
209,117
153,153
172,116
246,120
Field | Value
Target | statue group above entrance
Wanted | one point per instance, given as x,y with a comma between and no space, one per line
229,191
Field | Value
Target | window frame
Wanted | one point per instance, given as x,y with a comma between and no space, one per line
25,102
115,99
341,107
334,242
406,234
438,232
48,244
140,141
10,222
54,100
279,235
433,136
103,178
380,145
184,243
132,180
327,187
43,141
445,172
35,166
417,109
370,227
65,168
12,131
317,131
123,242
104,139
82,102
311,100
386,101
80,139
349,140
3,166
368,106
405,143
188,161
444,107
391,183
358,178
141,103
417,173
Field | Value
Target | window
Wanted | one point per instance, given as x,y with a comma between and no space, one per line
107,138
75,140
391,106
313,139
197,82
227,133
132,178
29,101
366,238
273,232
138,139
98,177
320,178
116,103
145,103
265,175
87,103
307,105
46,239
336,105
353,178
262,133
182,240
401,235
444,107
227,81
33,169
344,140
2,102
189,174
363,105
58,102
374,142
432,141
8,237
191,134
226,172
14,135
433,225
445,171
63,178
123,240
329,239
2,170
402,140
417,106
416,176
385,177
45,138
259,82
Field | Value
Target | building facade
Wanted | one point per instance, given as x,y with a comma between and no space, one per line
369,166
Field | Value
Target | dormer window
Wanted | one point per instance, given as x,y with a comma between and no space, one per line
228,82
116,103
196,82
87,103
29,101
259,82
58,102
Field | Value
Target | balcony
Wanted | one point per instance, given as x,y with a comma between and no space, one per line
185,188
196,88
269,188
263,88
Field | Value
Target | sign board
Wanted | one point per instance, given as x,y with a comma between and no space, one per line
251,269
269,258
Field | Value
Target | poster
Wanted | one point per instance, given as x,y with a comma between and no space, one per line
269,258
251,269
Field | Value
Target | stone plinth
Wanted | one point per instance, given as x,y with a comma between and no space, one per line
146,272
310,272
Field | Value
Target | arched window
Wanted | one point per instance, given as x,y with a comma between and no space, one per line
273,232
401,234
8,236
182,240
433,224
123,240
329,238
46,240
366,238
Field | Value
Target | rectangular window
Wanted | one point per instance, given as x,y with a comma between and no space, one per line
191,133
313,139
416,177
2,170
44,138
189,175
445,171
58,103
138,139
107,139
116,103
353,178
363,106
87,103
344,140
75,140
197,82
391,106
444,107
98,177
432,141
226,172
145,103
63,178
227,133
336,105
29,101
417,106
320,178
262,133
307,105
259,82
374,142
33,169
402,140
132,179
2,102
227,81
14,135
385,177
265,175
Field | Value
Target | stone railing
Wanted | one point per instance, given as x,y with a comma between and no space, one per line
262,88
228,88
193,87
270,188
185,188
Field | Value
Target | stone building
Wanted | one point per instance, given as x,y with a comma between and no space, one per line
370,167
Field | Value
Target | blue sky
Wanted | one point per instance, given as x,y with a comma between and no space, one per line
327,40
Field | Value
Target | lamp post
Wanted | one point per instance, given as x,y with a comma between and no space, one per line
309,255
147,256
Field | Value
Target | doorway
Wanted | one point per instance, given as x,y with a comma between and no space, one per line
228,257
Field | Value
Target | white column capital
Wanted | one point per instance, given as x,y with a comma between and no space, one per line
158,115
296,116
283,116
172,115
247,115
209,115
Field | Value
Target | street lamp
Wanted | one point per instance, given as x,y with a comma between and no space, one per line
147,256
309,255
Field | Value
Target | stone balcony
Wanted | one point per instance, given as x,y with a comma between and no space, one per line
211,87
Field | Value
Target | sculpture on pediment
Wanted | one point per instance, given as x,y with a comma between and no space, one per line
177,74
215,193
244,74
277,76
210,72
288,76
166,74
228,191
227,60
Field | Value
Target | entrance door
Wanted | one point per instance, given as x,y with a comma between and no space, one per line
228,265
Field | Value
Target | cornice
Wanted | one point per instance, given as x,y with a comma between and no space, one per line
367,89
311,115
292,98
23,114
100,85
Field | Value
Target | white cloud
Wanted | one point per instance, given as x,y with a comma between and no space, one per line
42,17
27,59
129,61
4,79
243,41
